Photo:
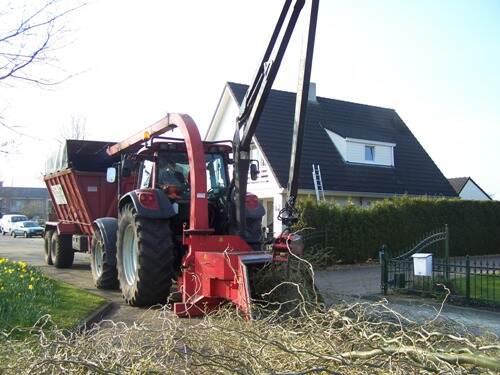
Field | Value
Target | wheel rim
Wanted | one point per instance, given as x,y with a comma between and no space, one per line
130,254
98,258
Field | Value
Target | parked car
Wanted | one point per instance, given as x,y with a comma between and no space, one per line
27,229
8,221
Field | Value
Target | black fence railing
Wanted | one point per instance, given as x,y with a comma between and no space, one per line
473,280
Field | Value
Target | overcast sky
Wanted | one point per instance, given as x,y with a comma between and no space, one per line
437,63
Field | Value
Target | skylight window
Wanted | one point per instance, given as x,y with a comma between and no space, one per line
369,153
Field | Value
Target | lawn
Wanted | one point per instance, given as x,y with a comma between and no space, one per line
482,287
26,295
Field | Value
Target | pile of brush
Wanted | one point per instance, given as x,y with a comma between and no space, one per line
293,334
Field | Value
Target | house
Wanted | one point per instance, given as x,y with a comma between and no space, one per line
365,153
30,201
466,188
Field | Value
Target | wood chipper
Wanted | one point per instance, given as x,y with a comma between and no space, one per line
178,216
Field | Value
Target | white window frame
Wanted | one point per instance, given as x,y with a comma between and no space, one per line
372,148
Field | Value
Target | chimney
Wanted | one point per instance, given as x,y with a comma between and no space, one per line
311,97
1,184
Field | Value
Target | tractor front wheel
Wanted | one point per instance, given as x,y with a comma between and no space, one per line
102,264
61,250
144,258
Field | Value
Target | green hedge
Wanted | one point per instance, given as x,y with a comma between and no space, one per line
353,234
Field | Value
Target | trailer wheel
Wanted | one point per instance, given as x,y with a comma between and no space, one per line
47,255
61,250
144,258
104,273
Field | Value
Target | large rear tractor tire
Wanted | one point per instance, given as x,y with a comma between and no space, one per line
144,258
61,250
46,246
103,264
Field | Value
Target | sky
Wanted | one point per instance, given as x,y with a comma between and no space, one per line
437,63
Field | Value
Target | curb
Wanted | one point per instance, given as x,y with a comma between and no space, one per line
96,316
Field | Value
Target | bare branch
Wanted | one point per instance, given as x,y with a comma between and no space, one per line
32,41
75,129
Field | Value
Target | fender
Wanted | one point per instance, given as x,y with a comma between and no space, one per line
164,209
108,227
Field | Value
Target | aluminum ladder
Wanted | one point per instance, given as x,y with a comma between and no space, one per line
318,183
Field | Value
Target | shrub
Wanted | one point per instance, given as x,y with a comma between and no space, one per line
355,234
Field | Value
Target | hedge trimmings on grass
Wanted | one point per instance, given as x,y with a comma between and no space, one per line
359,338
348,339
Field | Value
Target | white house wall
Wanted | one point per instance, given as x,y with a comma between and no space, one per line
471,192
266,186
225,120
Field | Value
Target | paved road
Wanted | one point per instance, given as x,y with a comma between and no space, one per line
30,250
356,280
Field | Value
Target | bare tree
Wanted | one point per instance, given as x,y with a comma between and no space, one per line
31,32
76,129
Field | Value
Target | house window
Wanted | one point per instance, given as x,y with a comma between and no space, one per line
370,153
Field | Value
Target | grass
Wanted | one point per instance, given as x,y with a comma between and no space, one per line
26,295
482,287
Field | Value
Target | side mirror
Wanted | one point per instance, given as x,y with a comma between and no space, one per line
254,171
111,174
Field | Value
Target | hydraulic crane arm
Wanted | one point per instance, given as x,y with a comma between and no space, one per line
255,98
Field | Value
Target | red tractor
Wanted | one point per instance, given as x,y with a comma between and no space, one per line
175,213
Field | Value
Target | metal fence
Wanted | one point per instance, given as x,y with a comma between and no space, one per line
473,280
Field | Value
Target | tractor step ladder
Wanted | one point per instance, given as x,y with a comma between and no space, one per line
318,183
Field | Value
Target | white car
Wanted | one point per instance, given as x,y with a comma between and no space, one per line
7,222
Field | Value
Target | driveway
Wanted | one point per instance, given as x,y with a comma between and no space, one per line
350,280
361,283
30,250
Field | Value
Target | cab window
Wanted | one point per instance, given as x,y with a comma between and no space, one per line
146,174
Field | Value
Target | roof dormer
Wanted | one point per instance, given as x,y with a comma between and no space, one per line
363,151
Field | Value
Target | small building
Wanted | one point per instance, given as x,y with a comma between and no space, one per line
365,153
30,201
466,188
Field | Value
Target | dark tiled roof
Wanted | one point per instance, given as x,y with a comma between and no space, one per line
23,192
414,171
458,183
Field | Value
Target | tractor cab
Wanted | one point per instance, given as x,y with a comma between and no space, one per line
163,165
